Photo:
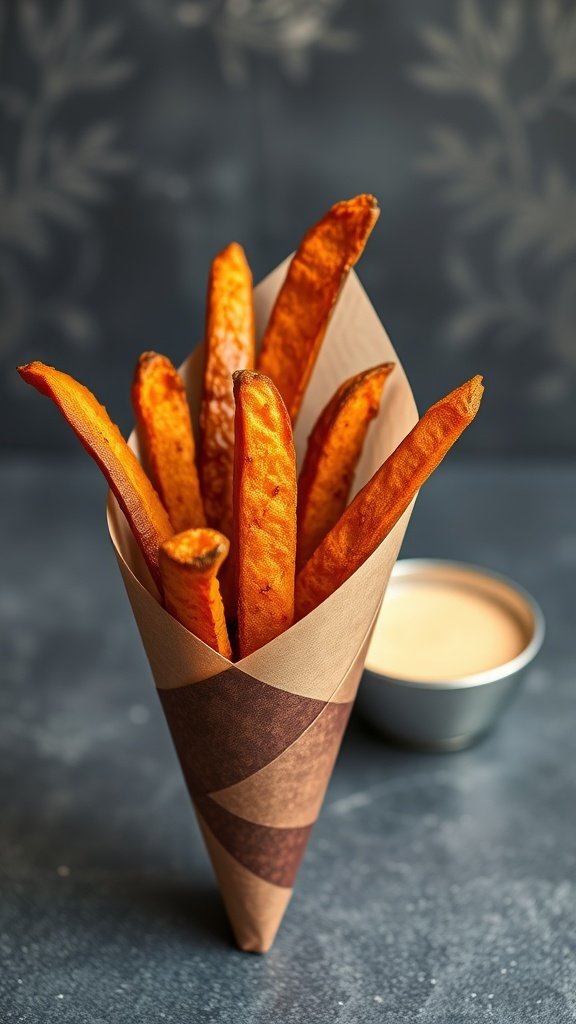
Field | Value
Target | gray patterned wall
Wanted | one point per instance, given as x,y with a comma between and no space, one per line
140,136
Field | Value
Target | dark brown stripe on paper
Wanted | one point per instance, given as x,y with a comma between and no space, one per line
273,854
228,727
288,792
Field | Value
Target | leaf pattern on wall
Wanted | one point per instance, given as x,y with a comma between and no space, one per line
53,177
116,188
286,30
511,212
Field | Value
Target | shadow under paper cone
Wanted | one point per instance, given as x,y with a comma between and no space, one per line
257,740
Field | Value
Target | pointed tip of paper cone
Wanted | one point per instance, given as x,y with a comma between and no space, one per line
260,939
255,908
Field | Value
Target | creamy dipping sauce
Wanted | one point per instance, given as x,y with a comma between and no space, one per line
435,631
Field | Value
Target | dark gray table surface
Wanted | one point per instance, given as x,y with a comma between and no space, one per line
436,888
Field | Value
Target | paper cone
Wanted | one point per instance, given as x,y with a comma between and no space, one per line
257,740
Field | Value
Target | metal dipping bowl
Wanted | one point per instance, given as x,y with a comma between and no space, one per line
450,714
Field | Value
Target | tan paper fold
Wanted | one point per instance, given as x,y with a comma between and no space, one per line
257,740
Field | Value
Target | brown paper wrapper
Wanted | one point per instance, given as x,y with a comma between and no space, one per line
257,740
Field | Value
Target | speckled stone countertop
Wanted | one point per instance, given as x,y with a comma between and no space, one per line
436,888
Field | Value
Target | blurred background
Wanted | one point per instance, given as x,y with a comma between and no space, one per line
140,137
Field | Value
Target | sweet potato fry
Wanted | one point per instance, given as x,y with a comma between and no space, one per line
264,512
229,346
334,448
101,438
302,310
189,563
378,506
165,430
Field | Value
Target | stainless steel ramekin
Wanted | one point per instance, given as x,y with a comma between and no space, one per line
451,714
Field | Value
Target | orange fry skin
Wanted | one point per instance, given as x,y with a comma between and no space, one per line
101,438
189,563
332,454
378,506
165,429
229,346
315,278
264,512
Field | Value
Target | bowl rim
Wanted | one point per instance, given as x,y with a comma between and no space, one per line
410,566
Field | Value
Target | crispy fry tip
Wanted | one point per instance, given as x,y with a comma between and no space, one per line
476,391
363,199
198,548
144,360
244,376
31,372
189,563
232,249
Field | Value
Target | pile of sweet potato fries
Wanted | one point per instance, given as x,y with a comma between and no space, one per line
238,545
